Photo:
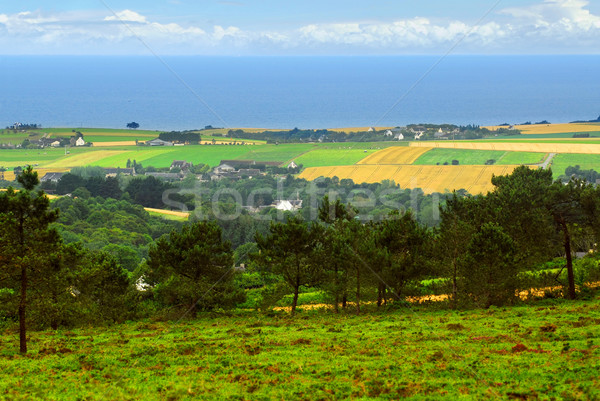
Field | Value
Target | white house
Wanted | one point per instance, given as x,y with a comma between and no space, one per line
388,133
371,129
288,205
399,136
55,144
159,142
292,165
79,142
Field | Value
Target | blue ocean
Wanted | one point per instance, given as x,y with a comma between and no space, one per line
176,93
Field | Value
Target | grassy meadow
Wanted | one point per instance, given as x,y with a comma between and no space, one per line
586,162
478,157
549,350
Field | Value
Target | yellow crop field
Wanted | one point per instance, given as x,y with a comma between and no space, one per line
10,175
554,128
168,212
395,155
475,179
83,159
116,143
514,146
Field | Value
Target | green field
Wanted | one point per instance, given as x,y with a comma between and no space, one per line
281,153
564,160
522,158
477,157
333,157
543,351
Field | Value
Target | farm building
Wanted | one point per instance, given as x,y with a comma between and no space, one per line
288,205
159,142
51,177
181,164
167,176
113,172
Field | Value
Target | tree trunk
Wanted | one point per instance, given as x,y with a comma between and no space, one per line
22,314
454,286
379,296
344,301
337,291
570,274
295,301
358,291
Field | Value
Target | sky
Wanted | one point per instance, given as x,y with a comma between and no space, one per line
299,27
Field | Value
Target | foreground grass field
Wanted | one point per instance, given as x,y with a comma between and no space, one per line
546,351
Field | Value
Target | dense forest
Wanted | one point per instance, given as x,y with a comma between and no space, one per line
91,259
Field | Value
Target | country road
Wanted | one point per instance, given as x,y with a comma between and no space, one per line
547,162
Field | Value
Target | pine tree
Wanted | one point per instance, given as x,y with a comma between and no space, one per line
26,242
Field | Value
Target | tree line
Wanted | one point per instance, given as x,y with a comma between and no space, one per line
485,250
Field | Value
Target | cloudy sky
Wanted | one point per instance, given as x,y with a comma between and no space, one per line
299,27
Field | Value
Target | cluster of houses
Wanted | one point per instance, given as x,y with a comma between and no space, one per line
235,169
179,169
47,142
108,172
238,169
441,133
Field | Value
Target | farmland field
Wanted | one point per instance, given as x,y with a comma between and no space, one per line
332,157
9,175
586,162
477,157
84,159
395,155
534,146
535,129
277,153
522,158
543,351
168,214
475,179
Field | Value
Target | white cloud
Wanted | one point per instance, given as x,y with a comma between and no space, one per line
555,25
556,14
127,16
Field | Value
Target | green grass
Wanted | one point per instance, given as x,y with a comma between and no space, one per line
522,158
336,156
164,156
544,351
277,153
22,157
477,157
564,160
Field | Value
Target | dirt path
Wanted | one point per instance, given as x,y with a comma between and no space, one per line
547,162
